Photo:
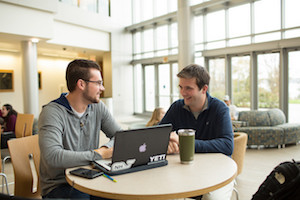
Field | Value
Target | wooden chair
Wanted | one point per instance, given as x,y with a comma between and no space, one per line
25,158
238,155
239,150
24,125
4,177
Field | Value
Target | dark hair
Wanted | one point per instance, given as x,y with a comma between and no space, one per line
10,110
79,69
195,71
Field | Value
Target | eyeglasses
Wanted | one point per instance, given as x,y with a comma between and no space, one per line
99,83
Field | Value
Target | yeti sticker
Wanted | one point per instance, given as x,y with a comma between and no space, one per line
117,166
157,158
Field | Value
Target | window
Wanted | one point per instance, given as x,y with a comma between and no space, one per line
294,86
268,80
162,40
198,24
137,49
241,81
138,89
150,90
216,26
155,86
217,77
164,85
266,15
292,14
239,21
148,43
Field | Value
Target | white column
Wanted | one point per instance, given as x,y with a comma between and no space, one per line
30,78
185,31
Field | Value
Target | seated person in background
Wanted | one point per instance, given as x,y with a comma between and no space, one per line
1,121
234,114
9,117
157,115
207,115
69,130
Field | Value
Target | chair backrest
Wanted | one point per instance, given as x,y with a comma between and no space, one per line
24,125
240,143
25,158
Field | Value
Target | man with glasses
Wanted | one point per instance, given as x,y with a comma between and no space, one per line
69,129
208,116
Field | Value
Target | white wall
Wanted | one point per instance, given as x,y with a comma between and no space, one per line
66,25
121,53
12,61
25,21
53,78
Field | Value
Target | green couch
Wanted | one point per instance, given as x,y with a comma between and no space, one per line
267,128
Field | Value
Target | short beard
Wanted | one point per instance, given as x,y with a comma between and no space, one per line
89,98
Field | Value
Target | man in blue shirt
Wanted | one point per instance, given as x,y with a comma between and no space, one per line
208,116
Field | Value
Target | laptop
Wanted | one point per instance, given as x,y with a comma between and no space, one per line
137,149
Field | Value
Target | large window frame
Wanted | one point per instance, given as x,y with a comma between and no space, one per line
252,42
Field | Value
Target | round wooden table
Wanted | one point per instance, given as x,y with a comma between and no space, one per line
208,172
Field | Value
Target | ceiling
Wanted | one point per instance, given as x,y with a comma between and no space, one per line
12,43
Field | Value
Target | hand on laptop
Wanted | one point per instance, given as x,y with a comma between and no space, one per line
173,143
105,152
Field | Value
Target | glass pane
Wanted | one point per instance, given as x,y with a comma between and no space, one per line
268,80
292,33
148,40
239,21
266,15
172,5
175,91
239,41
103,7
162,37
136,11
164,85
294,86
198,20
215,45
147,9
292,14
90,5
216,25
149,88
241,82
217,77
138,89
161,7
267,37
174,35
70,2
137,42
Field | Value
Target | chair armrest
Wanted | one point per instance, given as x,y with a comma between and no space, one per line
7,132
238,124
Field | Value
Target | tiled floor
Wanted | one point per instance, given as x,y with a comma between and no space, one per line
257,165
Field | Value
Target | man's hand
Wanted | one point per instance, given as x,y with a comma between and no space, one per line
173,143
105,152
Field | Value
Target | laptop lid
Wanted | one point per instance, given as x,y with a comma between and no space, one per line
138,147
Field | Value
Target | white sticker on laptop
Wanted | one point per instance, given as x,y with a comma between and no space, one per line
157,158
116,166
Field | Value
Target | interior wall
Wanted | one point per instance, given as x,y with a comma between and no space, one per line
107,75
12,61
53,78
121,54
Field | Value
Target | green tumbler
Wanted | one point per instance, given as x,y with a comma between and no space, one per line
186,145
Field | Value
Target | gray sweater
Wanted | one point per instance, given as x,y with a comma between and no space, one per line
68,141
